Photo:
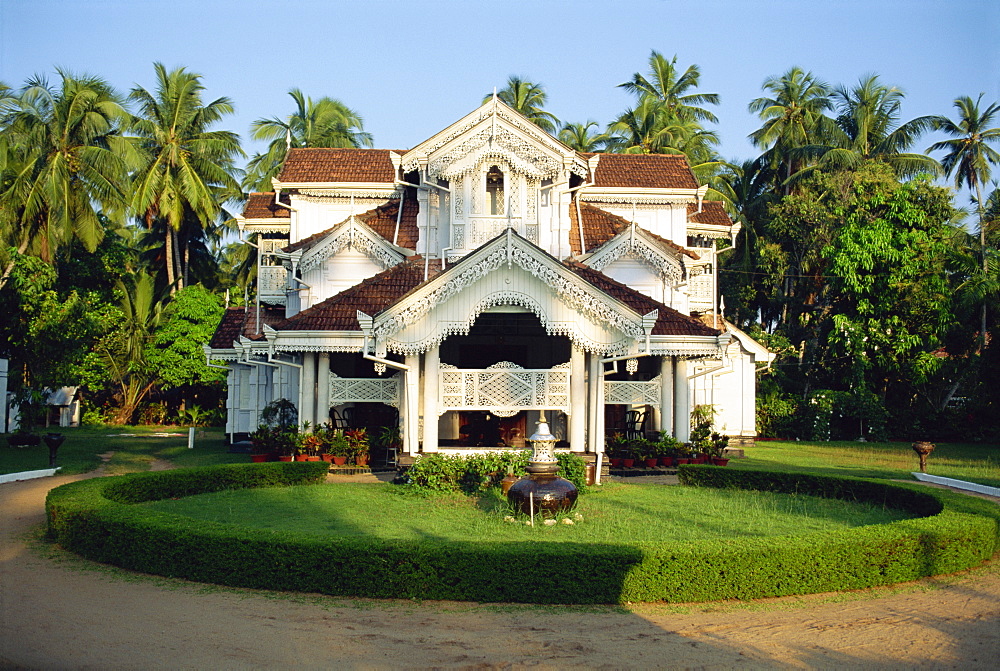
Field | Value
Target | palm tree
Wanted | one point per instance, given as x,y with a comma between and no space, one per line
969,156
793,115
579,137
868,128
663,84
528,98
325,123
64,160
188,169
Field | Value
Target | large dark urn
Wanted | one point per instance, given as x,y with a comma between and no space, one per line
923,449
542,490
53,441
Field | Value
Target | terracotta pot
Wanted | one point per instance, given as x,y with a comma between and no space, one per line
258,458
328,458
720,461
651,462
301,457
361,460
340,461
628,463
616,461
312,458
666,461
683,460
284,457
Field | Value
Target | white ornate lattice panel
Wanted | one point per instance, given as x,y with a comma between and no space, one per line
504,388
632,393
364,390
272,282
485,228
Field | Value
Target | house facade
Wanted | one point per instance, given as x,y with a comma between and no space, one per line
486,275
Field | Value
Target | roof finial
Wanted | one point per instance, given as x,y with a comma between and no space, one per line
288,139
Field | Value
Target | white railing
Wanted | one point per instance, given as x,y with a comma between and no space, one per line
364,390
271,282
504,388
484,228
626,392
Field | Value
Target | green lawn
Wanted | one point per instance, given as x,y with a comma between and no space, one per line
79,453
613,514
974,462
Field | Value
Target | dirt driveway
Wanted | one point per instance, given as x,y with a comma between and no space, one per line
58,612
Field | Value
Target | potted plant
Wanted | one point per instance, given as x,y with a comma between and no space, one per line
28,404
357,441
309,446
667,449
717,444
389,443
338,448
616,449
262,444
702,417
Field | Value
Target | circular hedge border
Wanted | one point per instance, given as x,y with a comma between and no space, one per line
94,519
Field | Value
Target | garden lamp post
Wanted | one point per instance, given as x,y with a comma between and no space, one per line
542,490
53,440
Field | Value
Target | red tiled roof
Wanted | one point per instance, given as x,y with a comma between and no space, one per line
372,296
600,226
668,322
338,165
382,220
261,206
644,171
712,212
240,321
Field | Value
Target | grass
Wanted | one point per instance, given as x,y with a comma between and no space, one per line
616,513
79,453
896,461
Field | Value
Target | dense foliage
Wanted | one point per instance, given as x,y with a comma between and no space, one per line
96,519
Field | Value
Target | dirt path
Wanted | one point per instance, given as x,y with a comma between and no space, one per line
56,614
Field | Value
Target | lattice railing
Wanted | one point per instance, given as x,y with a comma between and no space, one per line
632,393
272,281
504,389
485,228
364,390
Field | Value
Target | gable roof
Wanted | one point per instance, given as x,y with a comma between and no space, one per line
382,220
643,171
712,212
600,226
338,165
668,322
238,322
262,206
373,295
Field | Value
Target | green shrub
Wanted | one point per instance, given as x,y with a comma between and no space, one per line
477,472
91,518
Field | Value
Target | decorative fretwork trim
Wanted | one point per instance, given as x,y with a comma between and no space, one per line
364,390
666,267
629,392
351,234
504,389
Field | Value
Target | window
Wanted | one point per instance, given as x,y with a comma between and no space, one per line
494,190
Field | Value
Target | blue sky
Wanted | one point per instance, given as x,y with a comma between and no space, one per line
411,68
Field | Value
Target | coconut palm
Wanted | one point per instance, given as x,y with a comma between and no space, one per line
663,83
579,136
970,157
325,123
528,98
188,169
64,160
793,115
868,128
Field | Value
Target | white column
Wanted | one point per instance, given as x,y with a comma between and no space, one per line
682,410
323,388
577,400
307,401
599,420
593,380
432,359
411,405
3,396
666,395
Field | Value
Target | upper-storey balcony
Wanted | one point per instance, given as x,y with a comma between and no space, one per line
272,282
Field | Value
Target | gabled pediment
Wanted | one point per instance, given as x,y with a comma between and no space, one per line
494,131
662,257
351,234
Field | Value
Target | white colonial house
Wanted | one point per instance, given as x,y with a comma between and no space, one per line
485,275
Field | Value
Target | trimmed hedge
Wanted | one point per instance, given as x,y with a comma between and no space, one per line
92,518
